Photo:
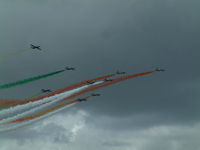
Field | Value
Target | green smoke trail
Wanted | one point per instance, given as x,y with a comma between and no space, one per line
9,85
13,54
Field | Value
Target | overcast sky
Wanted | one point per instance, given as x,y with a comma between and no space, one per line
158,111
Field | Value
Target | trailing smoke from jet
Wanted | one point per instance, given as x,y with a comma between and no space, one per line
9,103
57,108
42,107
104,84
30,105
38,106
31,79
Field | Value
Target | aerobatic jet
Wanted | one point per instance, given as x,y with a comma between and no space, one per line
82,99
70,68
91,82
45,90
118,72
159,70
35,47
95,94
108,80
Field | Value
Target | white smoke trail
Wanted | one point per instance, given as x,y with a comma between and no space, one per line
26,123
29,112
12,118
29,105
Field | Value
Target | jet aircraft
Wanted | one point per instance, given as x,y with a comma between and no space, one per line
118,72
159,70
95,94
35,47
108,80
91,82
45,90
82,99
70,68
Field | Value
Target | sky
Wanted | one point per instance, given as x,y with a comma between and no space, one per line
98,37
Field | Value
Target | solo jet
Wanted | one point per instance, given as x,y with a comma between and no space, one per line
95,94
45,90
159,70
91,82
118,72
82,99
70,68
35,47
108,80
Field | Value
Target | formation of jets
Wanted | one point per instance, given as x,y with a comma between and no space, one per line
89,82
92,82
107,80
37,47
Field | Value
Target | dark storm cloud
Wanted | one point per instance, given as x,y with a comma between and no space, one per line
160,35
101,37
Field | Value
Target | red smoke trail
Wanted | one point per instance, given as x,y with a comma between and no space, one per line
101,85
104,84
18,102
7,102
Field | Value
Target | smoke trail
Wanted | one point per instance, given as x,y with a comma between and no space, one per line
44,101
13,54
29,122
101,85
18,102
68,88
58,107
9,103
33,104
36,109
9,85
29,112
104,84
83,91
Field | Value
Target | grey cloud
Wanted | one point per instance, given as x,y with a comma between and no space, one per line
116,144
50,132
